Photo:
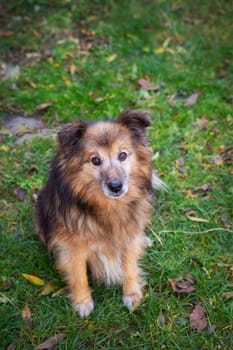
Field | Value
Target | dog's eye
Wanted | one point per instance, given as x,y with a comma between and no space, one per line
96,161
122,156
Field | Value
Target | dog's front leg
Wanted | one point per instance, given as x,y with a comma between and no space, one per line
132,284
72,262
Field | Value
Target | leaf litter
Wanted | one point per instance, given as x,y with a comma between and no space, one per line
197,318
183,284
51,342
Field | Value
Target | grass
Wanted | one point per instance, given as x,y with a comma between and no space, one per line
86,59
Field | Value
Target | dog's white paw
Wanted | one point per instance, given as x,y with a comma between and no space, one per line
130,300
84,309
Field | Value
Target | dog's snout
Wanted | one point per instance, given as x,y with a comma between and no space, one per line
115,185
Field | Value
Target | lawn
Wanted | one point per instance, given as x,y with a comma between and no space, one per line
92,59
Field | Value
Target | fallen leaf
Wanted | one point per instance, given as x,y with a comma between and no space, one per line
192,99
224,69
212,329
218,160
111,58
227,295
184,283
20,194
48,288
225,221
26,313
72,69
33,279
161,320
196,219
227,154
201,122
43,106
4,148
179,163
160,50
67,81
31,170
100,99
194,21
197,318
51,342
180,286
59,292
189,277
12,346
146,85
201,190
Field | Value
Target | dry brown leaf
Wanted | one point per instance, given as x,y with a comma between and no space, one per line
201,122
43,106
227,295
192,99
146,85
194,21
20,194
51,342
197,318
26,313
72,69
12,346
183,283
212,329
225,221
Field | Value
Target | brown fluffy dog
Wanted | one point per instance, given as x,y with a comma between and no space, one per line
93,210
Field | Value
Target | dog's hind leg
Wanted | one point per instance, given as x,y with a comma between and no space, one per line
72,262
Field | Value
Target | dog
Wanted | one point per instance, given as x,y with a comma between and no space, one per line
96,203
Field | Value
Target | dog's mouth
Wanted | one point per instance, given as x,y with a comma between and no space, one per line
114,188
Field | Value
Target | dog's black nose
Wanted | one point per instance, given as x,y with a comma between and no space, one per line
115,186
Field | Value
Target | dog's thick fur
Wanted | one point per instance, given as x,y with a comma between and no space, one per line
93,210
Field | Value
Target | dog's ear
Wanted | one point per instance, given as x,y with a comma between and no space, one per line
71,133
136,121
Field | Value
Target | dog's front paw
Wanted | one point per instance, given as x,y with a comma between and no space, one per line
132,299
84,309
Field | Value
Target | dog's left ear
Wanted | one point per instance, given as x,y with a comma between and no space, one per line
136,121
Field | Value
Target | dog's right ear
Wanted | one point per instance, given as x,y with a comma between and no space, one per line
71,133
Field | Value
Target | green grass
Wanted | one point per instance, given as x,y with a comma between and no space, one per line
183,47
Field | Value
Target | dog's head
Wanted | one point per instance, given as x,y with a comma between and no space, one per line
106,155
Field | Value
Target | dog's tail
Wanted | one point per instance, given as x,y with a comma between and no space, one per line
157,183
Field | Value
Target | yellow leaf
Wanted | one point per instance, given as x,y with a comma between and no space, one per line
159,50
48,288
33,279
26,313
145,49
111,58
4,148
67,81
131,36
59,292
194,218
